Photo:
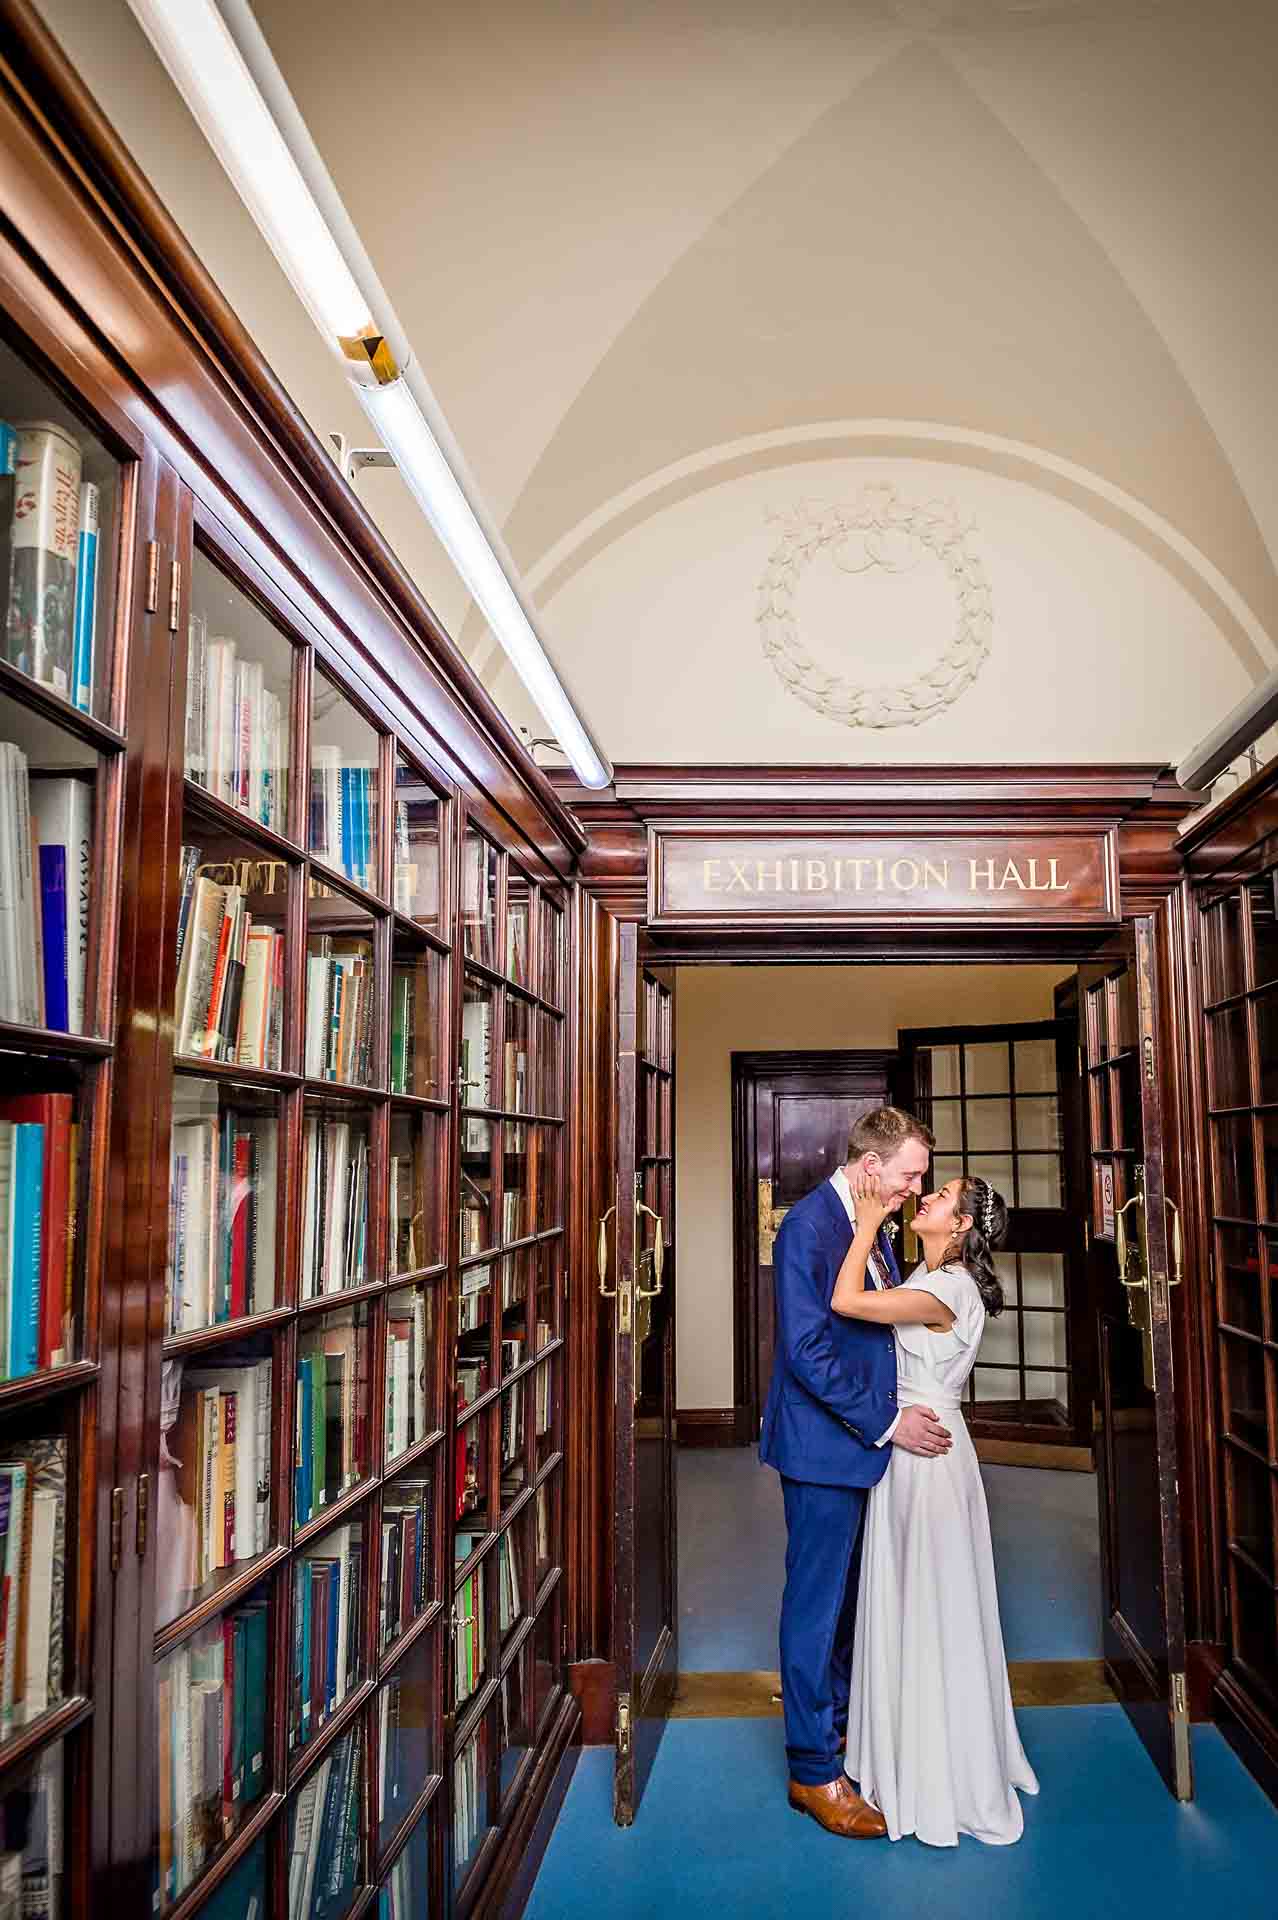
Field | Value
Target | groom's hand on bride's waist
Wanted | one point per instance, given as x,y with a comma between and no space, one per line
919,1431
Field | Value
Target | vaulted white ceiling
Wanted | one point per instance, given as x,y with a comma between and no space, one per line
670,268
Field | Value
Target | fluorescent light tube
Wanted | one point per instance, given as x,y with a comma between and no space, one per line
404,432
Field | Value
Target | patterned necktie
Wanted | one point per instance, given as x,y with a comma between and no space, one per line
883,1274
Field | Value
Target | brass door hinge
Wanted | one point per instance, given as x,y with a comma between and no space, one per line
175,594
117,1527
144,1508
623,1726
152,575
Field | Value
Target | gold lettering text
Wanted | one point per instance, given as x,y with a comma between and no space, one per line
778,884
898,876
934,876
818,880
738,877
710,878
794,876
1011,877
1057,886
859,867
982,874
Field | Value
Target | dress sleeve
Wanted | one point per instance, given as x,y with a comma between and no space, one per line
955,1288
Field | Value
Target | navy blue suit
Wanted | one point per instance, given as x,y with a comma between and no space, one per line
833,1393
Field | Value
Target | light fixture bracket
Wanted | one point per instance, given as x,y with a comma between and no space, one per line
353,460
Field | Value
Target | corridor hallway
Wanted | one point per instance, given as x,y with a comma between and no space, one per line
714,1832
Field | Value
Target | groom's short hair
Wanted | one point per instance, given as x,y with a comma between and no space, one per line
884,1131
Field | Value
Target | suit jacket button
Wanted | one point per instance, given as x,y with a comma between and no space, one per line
891,1396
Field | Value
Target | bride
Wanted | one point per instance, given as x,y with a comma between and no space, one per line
931,1735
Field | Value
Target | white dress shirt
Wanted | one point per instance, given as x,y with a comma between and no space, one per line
839,1181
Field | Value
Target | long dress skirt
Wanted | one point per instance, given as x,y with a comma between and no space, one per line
932,1740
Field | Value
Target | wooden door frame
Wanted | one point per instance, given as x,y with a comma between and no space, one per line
748,1068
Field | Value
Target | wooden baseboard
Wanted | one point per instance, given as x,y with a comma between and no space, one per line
506,1888
594,1688
1251,1732
706,1427
1034,1453
756,1696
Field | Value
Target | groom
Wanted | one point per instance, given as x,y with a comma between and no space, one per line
830,1417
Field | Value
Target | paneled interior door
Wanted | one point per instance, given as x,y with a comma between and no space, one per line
793,1115
1135,1263
641,1285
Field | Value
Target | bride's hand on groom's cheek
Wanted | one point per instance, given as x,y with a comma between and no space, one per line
867,1194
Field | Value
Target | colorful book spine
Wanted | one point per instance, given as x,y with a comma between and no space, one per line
40,624
27,1197
86,597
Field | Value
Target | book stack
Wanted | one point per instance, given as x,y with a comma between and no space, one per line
211,1710
472,1377
49,520
236,728
33,1527
403,1895
408,1516
512,1428
516,1078
469,1643
543,1528
327,1611
330,1413
510,1604
325,1852
39,1186
221,1442
513,1292
339,1009
410,1029
46,869
343,814
405,1214
541,1397
512,1354
230,990
470,1797
544,1334
31,1842
511,1224
474,1217
334,1205
407,1361
223,1181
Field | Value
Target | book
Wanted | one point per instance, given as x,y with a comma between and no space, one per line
40,624
53,1115
85,613
62,814
21,961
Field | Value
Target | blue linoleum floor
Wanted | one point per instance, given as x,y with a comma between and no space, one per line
732,1561
1104,1840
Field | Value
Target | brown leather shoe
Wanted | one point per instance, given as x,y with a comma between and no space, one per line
839,1809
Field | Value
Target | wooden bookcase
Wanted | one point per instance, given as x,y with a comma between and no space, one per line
310,1394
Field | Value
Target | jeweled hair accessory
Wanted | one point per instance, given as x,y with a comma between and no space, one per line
987,1208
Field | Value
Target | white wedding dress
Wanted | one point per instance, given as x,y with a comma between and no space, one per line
932,1740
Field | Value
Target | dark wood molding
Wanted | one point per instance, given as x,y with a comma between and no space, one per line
594,1686
1251,1733
707,1426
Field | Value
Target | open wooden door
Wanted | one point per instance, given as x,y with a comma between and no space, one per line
1135,1260
645,1613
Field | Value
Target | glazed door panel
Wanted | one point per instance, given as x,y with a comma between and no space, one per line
1135,1264
641,1286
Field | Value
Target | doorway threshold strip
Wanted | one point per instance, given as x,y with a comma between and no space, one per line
756,1696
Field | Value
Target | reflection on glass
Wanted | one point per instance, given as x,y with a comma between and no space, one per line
552,953
326,1833
479,899
416,846
213,1507
417,1224
547,1537
476,1187
546,1657
477,1044
516,1219
470,1639
239,678
405,1588
223,1199
517,1088
514,1465
213,1766
518,900
405,1750
328,1610
344,786
512,1558
514,1728
471,1813
405,1892
1222,948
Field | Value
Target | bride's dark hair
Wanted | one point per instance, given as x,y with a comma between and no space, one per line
988,1230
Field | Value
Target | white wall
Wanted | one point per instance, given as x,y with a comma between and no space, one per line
722,1010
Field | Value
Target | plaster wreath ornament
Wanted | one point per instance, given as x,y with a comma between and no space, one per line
876,529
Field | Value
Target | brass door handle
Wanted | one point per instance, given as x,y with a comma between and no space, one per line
1177,1245
1120,1236
658,1253
601,1255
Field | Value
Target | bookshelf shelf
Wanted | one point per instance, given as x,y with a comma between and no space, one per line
305,1295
